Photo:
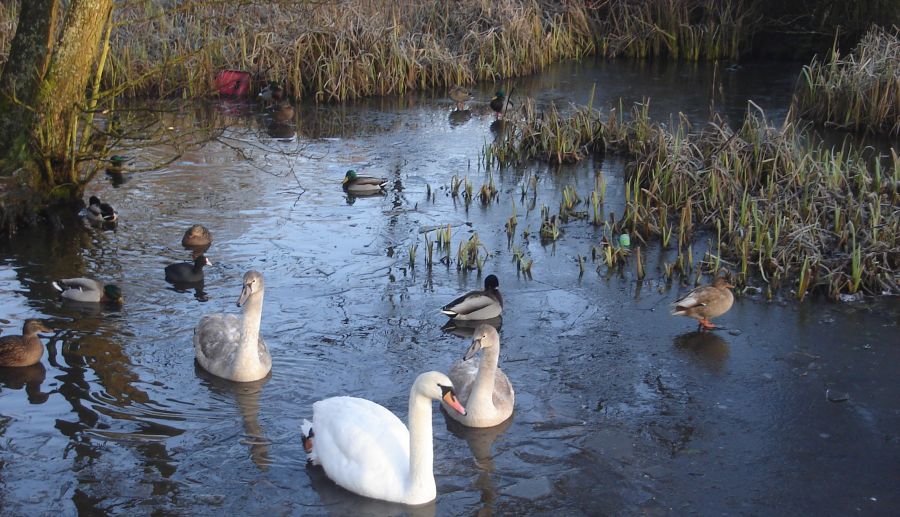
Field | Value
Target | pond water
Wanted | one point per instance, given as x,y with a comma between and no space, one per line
621,408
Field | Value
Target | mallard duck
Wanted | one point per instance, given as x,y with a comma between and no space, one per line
24,350
366,449
362,185
483,388
705,302
116,165
195,236
280,107
187,272
477,305
100,212
232,348
87,290
460,95
497,103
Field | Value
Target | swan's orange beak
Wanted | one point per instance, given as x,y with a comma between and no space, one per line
452,401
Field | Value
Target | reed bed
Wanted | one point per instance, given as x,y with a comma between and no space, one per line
859,91
793,214
342,50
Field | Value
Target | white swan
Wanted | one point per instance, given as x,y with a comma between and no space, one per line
483,388
366,449
231,348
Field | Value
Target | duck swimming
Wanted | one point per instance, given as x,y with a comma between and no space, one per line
187,272
477,305
196,236
88,290
362,185
24,350
100,212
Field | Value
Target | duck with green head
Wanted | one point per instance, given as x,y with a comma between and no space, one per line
358,185
88,290
498,102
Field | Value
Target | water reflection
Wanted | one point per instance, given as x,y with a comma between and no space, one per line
480,441
340,503
466,328
706,348
29,377
459,117
183,287
246,395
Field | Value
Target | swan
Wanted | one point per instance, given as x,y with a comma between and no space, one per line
705,302
232,348
88,290
187,272
483,388
366,449
477,305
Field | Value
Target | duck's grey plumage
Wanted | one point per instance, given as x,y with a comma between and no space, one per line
363,185
477,305
87,290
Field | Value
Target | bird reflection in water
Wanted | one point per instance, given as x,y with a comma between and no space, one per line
466,328
459,117
480,440
246,394
706,348
29,377
340,502
183,287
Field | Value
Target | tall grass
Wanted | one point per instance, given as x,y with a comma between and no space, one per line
858,91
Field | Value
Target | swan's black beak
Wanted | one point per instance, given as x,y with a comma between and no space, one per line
245,293
473,349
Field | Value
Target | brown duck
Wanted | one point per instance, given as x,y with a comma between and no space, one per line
708,301
24,350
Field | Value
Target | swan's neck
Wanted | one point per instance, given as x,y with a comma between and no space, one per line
421,448
248,355
482,397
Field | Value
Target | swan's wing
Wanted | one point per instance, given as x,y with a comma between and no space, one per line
468,303
362,446
216,339
462,374
504,396
264,358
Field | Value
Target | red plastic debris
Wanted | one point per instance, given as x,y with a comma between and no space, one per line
233,83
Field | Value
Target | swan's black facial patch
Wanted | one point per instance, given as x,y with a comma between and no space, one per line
445,389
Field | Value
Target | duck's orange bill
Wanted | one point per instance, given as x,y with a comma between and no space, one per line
452,401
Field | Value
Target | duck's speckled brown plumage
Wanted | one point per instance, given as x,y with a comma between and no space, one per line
196,235
24,350
708,301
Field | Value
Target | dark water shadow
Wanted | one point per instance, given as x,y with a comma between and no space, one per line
459,117
706,348
29,377
117,178
480,441
183,287
466,328
246,395
340,502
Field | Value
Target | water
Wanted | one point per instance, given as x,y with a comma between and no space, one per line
621,408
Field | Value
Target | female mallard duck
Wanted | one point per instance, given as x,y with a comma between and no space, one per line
280,108
705,302
497,103
362,185
483,388
460,95
477,305
232,348
366,449
87,290
100,212
196,236
24,350
187,272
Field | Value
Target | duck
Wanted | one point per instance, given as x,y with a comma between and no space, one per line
88,290
99,212
460,95
477,305
497,103
232,348
483,388
116,165
365,448
706,302
362,185
196,236
280,108
187,272
24,350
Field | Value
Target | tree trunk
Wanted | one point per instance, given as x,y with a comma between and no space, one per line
44,94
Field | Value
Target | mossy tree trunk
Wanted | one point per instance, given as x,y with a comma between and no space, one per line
43,93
